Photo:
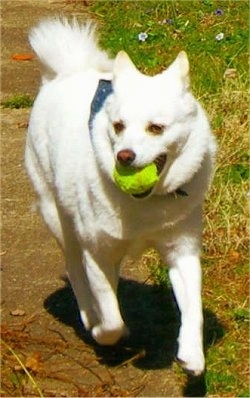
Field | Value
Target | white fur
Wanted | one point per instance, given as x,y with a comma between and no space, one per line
95,223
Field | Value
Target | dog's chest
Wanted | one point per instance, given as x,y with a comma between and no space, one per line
131,219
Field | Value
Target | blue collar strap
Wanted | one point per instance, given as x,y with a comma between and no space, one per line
103,90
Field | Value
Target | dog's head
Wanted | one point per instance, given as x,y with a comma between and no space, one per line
149,118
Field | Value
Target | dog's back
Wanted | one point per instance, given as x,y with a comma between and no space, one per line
72,64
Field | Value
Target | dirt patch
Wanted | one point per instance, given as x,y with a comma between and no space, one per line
40,322
18,17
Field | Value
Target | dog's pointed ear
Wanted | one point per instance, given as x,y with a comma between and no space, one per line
123,63
183,62
180,67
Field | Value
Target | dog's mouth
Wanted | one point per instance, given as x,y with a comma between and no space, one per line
160,162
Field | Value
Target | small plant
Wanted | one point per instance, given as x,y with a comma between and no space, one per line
18,101
160,275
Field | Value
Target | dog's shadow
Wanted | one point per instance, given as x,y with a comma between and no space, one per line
152,316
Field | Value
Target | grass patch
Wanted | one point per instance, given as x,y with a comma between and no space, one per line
172,26
219,76
18,101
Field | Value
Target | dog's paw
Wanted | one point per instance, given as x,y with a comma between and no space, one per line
192,361
109,336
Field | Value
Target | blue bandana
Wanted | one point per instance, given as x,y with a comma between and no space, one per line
103,90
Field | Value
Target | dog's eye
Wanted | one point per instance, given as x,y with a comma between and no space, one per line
119,127
155,129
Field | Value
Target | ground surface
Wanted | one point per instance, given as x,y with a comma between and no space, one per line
39,314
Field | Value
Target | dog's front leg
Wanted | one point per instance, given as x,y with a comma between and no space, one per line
185,276
103,279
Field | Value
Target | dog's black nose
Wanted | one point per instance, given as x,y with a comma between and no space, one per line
126,157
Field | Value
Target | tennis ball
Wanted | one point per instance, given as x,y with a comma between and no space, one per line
133,180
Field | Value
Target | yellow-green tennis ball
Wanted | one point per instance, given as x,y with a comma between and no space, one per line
135,181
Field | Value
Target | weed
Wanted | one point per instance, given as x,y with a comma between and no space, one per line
241,315
18,101
15,379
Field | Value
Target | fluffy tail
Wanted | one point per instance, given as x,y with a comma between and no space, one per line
67,48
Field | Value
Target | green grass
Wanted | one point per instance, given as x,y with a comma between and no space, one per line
18,101
193,27
176,25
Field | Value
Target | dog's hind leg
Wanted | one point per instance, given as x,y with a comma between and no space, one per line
45,197
103,284
76,272
63,230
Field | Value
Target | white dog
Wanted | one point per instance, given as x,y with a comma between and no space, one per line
92,113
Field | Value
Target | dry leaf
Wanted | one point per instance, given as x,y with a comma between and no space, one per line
17,312
22,57
230,73
234,255
34,362
22,125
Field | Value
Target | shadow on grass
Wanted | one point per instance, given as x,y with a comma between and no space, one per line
152,316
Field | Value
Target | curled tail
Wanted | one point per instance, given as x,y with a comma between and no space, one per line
67,48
